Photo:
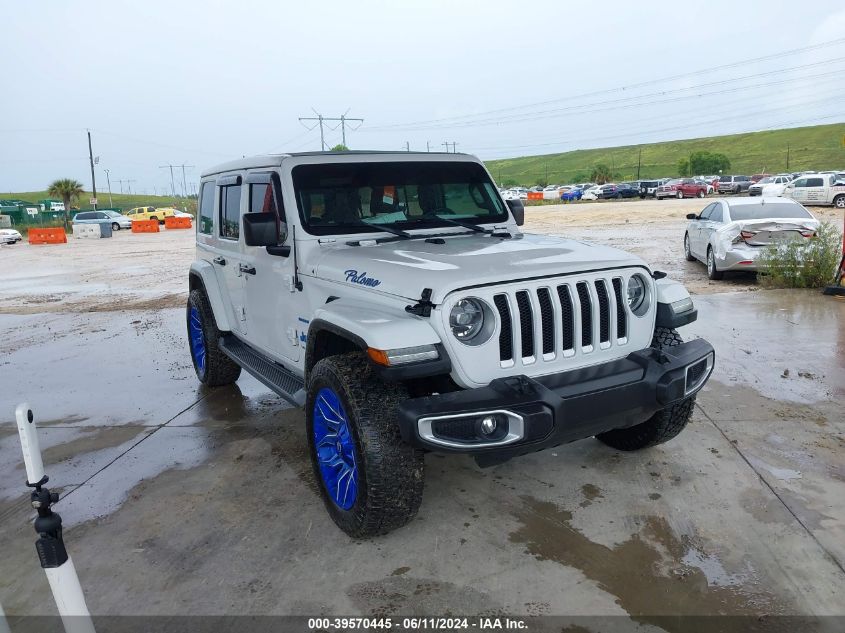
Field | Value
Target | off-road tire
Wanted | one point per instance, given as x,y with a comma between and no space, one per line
687,252
663,425
713,273
219,369
391,473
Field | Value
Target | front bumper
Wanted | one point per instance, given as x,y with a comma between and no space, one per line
536,413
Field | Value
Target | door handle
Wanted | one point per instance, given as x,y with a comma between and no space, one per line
220,260
246,269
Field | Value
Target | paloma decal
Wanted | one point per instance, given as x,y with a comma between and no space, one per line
353,277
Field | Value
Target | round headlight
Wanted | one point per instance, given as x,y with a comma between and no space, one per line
636,293
466,319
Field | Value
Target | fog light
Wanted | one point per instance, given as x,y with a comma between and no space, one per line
488,425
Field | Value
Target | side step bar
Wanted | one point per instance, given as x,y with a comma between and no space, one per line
278,378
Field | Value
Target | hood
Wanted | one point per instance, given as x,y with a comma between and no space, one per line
9,232
404,268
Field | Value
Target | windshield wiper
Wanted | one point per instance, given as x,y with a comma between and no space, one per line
375,228
467,225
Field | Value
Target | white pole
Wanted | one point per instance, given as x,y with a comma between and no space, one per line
57,564
4,626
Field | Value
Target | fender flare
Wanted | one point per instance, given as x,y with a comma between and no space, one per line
366,325
671,292
203,275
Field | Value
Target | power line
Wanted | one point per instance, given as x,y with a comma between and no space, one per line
627,87
343,119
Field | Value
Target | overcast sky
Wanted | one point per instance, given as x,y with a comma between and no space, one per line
203,82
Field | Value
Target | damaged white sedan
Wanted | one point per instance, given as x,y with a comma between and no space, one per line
729,235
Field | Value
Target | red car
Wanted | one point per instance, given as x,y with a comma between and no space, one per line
681,188
759,177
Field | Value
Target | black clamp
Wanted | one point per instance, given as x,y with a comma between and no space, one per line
50,545
423,306
658,274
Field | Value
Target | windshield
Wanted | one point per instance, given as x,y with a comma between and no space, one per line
725,179
112,214
765,181
345,198
769,210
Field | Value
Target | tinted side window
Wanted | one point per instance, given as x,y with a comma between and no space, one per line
230,212
815,182
716,213
801,182
705,215
83,216
206,207
261,199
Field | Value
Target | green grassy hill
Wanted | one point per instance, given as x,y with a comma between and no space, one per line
817,147
123,201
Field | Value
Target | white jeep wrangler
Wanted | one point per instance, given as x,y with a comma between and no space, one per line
394,296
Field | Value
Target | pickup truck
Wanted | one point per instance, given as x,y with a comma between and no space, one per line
817,189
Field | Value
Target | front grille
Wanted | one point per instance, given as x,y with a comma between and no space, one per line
621,316
526,323
559,320
586,314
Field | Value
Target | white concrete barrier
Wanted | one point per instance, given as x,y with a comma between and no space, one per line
86,231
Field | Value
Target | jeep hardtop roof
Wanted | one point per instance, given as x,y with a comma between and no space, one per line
275,160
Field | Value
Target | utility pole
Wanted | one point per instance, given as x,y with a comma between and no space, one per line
787,157
184,184
447,144
172,181
129,185
108,181
120,182
639,162
407,146
322,119
93,180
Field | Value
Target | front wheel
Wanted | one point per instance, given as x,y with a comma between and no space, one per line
701,194
370,480
663,425
687,251
680,195
213,367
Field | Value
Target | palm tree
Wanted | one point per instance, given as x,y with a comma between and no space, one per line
66,189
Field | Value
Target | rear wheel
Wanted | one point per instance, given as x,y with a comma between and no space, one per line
687,251
213,367
839,202
712,272
115,226
153,217
370,480
663,425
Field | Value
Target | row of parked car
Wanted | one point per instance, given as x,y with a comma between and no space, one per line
124,220
805,186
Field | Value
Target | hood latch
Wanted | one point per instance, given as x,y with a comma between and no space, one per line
423,306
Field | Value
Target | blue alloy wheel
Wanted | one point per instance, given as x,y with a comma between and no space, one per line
335,449
197,339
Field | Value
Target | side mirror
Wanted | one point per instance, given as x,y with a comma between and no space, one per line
518,211
261,229
692,216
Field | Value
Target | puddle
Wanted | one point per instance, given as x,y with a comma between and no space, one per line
653,574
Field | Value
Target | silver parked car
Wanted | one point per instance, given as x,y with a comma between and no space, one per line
729,234
118,221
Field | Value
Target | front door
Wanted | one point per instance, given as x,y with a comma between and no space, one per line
695,234
276,314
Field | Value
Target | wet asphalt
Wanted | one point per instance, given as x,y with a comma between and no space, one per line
179,499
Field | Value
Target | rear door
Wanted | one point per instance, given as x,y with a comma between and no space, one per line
226,248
